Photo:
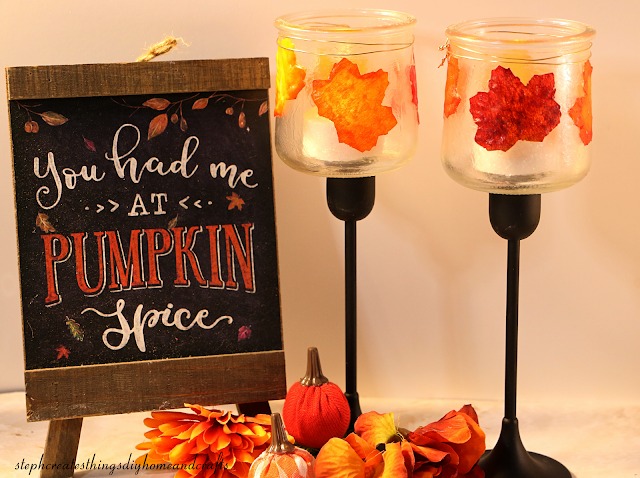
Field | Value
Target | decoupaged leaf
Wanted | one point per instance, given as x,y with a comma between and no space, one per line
451,97
157,125
510,111
581,112
53,119
354,103
157,103
289,76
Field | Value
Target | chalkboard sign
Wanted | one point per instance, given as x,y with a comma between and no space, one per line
146,235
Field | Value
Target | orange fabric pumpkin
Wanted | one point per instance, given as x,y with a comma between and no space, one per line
282,459
315,410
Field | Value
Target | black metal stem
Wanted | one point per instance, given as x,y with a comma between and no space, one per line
515,218
350,200
351,325
511,356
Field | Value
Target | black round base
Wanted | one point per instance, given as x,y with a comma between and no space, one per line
537,466
509,459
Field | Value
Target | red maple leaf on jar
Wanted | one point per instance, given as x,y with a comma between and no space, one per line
511,111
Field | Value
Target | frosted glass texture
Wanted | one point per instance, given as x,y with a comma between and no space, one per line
372,40
527,47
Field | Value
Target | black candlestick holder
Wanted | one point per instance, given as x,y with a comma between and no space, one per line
351,200
515,217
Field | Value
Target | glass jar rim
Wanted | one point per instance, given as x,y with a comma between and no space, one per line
310,21
552,31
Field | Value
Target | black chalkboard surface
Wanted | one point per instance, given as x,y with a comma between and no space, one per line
146,234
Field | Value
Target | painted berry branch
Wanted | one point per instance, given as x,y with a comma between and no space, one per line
173,111
50,117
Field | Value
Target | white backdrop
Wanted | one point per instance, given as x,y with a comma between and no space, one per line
432,273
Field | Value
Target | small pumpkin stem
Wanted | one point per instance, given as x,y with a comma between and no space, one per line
279,442
314,375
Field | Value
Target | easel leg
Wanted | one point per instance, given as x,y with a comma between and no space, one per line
61,448
253,409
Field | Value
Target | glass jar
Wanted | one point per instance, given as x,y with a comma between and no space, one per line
346,97
517,115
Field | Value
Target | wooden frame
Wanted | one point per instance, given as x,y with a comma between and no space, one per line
64,394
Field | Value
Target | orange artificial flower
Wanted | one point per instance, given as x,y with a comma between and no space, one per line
211,443
450,447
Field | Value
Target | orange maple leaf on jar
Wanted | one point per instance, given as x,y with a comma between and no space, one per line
451,97
354,103
510,111
205,444
289,76
580,112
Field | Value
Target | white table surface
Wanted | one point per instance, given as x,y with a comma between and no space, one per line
591,441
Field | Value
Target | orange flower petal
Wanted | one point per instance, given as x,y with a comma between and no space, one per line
471,412
338,460
376,428
374,464
452,428
174,416
153,433
180,452
393,462
359,445
200,428
470,451
409,457
354,103
431,453
152,423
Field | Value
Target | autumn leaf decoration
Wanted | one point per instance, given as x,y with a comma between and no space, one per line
173,111
580,112
289,76
235,201
50,117
62,352
510,111
42,221
354,103
451,97
75,329
244,333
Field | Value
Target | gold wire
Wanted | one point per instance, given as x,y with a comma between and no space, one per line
401,46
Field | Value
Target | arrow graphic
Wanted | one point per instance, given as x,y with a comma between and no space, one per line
182,203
